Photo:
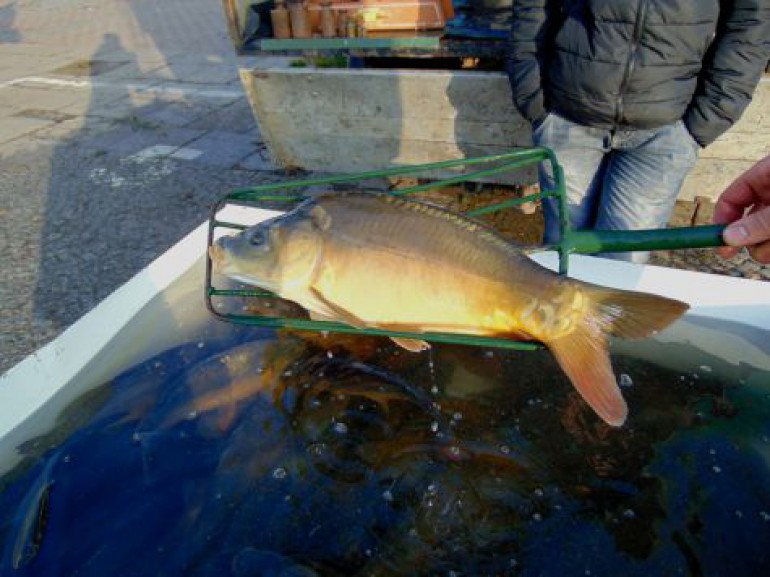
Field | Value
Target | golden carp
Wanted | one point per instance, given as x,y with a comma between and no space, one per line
372,260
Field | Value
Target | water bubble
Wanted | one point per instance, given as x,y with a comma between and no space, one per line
712,452
716,469
279,473
454,450
625,380
765,516
705,368
192,415
388,496
537,517
434,426
432,489
458,416
538,492
67,458
489,354
201,344
287,373
505,449
340,428
434,390
629,514
329,355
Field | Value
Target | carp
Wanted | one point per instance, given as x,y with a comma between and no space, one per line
381,261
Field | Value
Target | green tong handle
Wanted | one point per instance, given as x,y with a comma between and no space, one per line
595,241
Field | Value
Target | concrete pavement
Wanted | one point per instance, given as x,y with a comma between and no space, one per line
120,123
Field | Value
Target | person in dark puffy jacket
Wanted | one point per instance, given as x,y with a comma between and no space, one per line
626,93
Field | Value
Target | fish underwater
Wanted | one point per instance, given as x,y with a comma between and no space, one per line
376,260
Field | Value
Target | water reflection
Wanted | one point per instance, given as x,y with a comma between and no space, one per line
304,456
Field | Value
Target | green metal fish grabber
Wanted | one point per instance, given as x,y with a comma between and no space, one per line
286,195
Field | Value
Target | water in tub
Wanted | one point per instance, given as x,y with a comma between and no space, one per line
284,454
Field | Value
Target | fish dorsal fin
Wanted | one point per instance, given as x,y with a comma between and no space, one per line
461,221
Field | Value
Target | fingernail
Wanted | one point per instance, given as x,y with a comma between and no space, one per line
736,235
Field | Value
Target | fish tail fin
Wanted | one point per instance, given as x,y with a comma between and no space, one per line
633,315
583,354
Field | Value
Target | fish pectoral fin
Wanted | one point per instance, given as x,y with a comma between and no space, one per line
338,313
584,357
413,345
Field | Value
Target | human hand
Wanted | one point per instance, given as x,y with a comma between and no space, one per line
750,191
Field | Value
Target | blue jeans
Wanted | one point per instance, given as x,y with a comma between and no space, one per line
623,180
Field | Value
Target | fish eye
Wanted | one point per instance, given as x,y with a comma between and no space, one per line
257,236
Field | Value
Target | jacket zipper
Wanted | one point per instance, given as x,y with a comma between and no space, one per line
631,63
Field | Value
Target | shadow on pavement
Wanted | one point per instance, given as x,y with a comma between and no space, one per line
131,180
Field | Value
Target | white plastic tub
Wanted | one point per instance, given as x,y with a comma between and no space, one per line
163,306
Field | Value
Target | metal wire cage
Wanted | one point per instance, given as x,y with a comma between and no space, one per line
286,195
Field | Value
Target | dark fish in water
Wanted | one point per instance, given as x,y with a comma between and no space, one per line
32,518
372,260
